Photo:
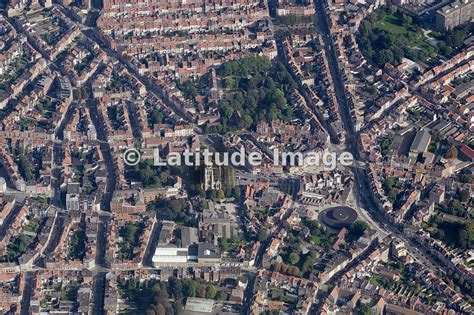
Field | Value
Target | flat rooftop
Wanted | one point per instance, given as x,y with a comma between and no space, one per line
454,6
198,306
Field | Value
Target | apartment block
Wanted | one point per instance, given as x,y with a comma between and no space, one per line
454,14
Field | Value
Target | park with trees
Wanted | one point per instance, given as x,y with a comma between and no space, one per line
388,35
150,175
160,297
256,90
172,209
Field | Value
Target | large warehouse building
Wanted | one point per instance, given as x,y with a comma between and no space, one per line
170,255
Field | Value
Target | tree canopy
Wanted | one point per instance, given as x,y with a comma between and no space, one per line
388,35
257,92
171,209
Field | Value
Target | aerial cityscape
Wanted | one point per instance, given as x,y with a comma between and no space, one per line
237,157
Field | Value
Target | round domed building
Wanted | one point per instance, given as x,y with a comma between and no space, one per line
338,217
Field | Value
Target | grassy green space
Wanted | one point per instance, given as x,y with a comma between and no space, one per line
230,244
392,24
388,35
319,240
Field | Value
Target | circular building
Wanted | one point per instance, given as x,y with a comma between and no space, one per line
338,217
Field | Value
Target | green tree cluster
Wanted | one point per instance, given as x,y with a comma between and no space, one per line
287,269
155,117
388,35
385,145
454,234
262,235
246,66
295,263
319,235
230,244
171,209
150,297
153,297
465,178
20,243
258,93
77,245
190,89
130,234
451,153
357,228
389,186
454,39
148,174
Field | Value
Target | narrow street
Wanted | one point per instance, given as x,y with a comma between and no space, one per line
107,153
99,125
56,179
338,83
98,289
100,259
27,292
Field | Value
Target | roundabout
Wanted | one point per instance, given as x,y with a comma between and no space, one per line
338,217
